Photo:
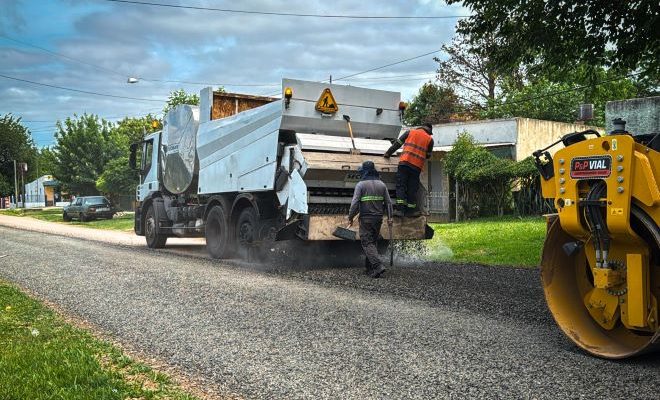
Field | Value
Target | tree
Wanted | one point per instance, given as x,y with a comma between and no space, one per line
485,180
180,96
554,97
617,34
15,144
84,146
132,130
46,161
433,104
117,178
470,70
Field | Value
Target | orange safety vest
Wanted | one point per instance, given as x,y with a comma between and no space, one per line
415,148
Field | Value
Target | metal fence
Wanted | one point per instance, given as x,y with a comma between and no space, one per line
439,202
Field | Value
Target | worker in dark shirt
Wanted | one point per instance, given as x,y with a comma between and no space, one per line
417,148
372,200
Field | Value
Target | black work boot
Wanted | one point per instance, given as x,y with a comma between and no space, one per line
368,267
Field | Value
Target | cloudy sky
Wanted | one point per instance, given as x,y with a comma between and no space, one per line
247,53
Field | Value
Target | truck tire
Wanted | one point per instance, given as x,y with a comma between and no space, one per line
66,217
81,217
217,233
246,230
155,240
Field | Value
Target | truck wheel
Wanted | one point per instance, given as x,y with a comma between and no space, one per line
81,217
154,240
246,230
217,233
66,217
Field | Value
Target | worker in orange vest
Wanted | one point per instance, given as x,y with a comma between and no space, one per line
417,148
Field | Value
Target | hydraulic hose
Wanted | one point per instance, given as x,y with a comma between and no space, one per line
597,224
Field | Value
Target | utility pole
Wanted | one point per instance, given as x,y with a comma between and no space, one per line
457,217
23,165
331,79
15,185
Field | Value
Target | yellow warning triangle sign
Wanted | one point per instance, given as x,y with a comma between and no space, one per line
327,103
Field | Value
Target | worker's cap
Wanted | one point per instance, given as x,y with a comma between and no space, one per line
428,126
368,169
367,166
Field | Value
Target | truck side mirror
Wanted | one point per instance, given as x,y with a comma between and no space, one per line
132,157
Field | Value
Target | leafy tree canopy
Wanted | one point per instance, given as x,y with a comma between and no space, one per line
84,145
15,144
47,161
132,130
486,179
470,70
554,97
180,96
432,104
117,178
618,34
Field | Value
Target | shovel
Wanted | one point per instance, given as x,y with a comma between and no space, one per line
354,150
391,244
344,233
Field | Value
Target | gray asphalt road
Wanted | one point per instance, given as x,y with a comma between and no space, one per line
426,331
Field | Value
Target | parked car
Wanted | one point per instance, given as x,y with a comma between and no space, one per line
87,208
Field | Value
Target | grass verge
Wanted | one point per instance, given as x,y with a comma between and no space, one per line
122,222
496,241
42,357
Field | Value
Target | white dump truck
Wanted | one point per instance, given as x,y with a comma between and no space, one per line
283,170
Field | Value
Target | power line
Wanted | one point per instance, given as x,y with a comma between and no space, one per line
287,14
81,91
387,65
376,81
63,56
573,89
141,114
72,59
373,69
378,77
210,83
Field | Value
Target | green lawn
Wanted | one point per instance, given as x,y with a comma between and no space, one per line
42,357
497,241
118,223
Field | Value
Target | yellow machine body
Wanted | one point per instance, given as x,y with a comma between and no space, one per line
607,304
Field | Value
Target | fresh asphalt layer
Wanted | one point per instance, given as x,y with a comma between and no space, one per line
425,331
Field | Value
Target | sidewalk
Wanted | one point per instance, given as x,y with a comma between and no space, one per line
97,235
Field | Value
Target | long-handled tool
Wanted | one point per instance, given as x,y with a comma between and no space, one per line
391,244
354,150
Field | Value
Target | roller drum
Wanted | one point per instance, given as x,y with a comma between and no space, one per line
566,280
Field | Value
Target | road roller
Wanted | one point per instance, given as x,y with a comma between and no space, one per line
600,265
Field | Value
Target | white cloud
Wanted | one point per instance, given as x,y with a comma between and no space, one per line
204,46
